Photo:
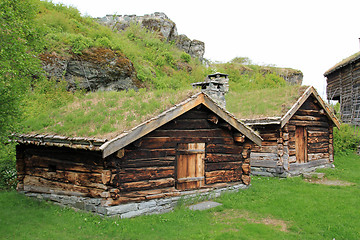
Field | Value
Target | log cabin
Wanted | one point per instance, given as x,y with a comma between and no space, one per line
298,140
194,147
343,85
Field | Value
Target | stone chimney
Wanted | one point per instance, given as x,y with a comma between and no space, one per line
216,86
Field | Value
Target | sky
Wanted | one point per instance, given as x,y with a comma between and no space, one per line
308,35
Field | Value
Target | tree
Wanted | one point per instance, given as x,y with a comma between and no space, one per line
19,39
18,65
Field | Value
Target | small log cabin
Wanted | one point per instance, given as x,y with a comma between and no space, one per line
343,85
299,141
195,145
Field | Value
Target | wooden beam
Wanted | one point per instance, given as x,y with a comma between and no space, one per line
148,126
241,127
201,98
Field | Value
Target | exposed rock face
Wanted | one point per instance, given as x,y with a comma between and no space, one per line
95,69
291,75
160,23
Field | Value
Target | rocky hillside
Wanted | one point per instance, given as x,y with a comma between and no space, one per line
161,24
129,52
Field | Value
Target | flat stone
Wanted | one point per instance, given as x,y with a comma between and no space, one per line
124,208
204,205
313,175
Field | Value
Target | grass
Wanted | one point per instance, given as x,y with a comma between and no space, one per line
271,208
267,102
100,114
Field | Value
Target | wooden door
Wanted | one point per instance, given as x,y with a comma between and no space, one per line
190,165
301,144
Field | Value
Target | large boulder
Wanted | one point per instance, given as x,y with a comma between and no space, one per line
95,69
157,22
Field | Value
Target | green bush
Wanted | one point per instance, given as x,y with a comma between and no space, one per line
345,139
185,57
7,167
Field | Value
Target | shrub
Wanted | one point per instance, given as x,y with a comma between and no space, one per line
345,139
185,57
7,167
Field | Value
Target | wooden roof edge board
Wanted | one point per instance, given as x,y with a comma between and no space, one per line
146,127
309,91
261,121
330,114
295,107
232,120
45,139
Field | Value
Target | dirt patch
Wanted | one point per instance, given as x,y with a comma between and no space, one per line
228,217
326,181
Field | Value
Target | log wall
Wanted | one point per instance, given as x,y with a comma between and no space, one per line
143,170
344,85
319,134
277,155
60,170
146,169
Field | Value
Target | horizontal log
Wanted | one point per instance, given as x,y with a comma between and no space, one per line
321,139
222,176
318,133
309,123
263,163
139,163
318,150
139,174
59,186
224,149
264,156
78,178
148,153
45,162
171,142
65,154
191,133
319,145
304,112
268,149
317,129
214,158
315,163
222,166
270,136
308,118
317,156
187,124
146,185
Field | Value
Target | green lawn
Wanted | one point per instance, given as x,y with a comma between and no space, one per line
271,208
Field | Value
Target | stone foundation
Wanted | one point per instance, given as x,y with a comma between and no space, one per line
128,210
272,172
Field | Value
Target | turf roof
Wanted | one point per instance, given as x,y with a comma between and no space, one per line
108,114
263,103
343,63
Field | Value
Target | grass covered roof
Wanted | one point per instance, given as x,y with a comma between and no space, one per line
263,103
108,114
104,114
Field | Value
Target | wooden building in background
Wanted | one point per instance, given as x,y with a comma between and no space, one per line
343,85
195,145
299,141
